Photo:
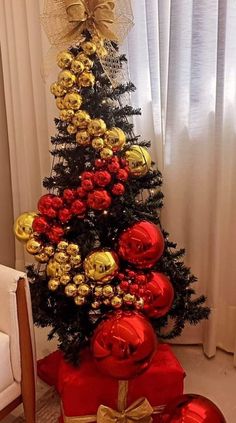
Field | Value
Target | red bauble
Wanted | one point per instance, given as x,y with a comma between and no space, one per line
81,192
68,195
134,288
78,207
99,163
162,294
52,213
142,244
87,184
123,345
192,408
140,279
40,225
102,178
45,202
57,202
87,175
118,189
124,285
114,167
55,234
122,175
64,215
99,200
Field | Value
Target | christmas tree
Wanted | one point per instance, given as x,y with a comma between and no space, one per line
100,249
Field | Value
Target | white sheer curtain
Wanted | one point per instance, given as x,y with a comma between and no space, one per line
182,58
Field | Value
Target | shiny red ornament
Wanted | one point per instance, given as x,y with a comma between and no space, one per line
99,163
122,175
134,288
102,178
87,175
114,167
52,213
57,203
123,345
124,285
69,195
142,244
87,184
78,207
64,215
192,408
140,279
118,189
81,192
99,200
161,294
55,234
45,202
40,225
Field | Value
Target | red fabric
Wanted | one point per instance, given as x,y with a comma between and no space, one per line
48,367
83,389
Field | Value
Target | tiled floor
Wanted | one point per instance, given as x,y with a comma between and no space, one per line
214,378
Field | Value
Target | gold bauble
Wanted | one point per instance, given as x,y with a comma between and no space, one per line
62,245
23,226
79,279
96,304
119,290
129,299
87,62
106,153
81,119
79,301
60,103
53,284
64,59
72,249
71,129
41,257
66,115
98,291
61,257
97,127
73,101
102,52
101,266
89,47
33,246
83,290
116,302
77,66
75,260
65,279
115,139
49,250
66,78
108,291
65,268
57,89
86,79
139,304
98,143
83,138
139,160
71,290
54,269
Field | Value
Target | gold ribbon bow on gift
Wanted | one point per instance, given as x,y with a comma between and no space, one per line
140,411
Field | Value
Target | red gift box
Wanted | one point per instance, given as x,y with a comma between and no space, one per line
84,389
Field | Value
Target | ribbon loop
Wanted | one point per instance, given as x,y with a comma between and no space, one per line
140,411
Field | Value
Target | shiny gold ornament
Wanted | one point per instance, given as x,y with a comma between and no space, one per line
65,268
66,115
79,279
129,299
102,52
70,290
79,301
116,302
101,266
67,79
53,284
62,245
96,304
72,249
97,127
65,279
33,246
115,139
108,291
119,290
23,226
54,269
73,101
83,290
98,291
60,103
75,260
89,47
49,250
71,129
64,59
139,160
87,62
107,301
41,257
106,153
61,257
86,79
139,304
83,138
98,143
57,89
77,66
81,119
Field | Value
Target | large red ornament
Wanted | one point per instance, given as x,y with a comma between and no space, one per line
45,202
192,408
78,207
118,189
57,202
162,294
99,200
87,184
64,215
40,225
55,234
68,195
142,244
51,212
102,178
123,345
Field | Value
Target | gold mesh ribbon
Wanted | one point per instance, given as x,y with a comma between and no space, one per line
140,411
65,20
